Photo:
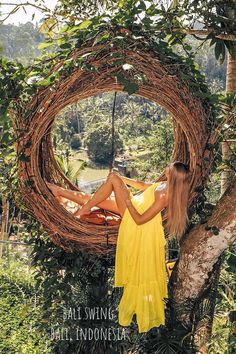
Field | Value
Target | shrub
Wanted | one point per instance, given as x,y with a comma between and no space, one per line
99,142
75,142
20,312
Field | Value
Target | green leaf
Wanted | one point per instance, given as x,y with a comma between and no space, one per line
142,5
65,46
220,51
152,10
131,87
121,3
215,230
231,46
45,45
64,29
85,24
101,39
44,82
198,189
24,158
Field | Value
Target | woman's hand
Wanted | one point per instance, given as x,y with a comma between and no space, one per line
156,207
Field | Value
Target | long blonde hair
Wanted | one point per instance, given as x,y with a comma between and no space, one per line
178,194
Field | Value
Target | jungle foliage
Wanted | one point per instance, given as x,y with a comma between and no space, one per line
66,280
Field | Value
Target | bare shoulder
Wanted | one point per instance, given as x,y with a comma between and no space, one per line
161,193
161,186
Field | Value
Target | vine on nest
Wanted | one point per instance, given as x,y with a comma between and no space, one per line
134,61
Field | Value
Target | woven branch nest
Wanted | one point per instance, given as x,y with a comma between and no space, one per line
191,136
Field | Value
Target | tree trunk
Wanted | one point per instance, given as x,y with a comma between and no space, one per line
4,224
200,256
228,173
226,178
227,144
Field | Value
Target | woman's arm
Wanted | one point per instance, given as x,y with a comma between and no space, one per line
154,209
136,184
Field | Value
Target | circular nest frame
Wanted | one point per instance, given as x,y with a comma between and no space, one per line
191,137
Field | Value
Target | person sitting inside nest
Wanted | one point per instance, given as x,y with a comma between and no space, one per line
140,265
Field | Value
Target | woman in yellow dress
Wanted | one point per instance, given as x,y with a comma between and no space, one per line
140,265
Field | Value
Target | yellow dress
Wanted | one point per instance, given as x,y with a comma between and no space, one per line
140,266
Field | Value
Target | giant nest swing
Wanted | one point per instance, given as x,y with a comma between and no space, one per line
163,85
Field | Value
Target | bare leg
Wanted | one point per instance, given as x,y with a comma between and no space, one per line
81,198
74,196
113,183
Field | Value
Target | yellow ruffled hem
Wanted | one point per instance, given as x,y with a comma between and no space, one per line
147,302
152,324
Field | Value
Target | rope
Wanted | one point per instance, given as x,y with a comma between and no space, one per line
112,156
113,134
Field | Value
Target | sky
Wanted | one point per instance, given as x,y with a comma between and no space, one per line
20,16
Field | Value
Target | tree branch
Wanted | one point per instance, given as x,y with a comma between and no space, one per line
205,33
17,6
